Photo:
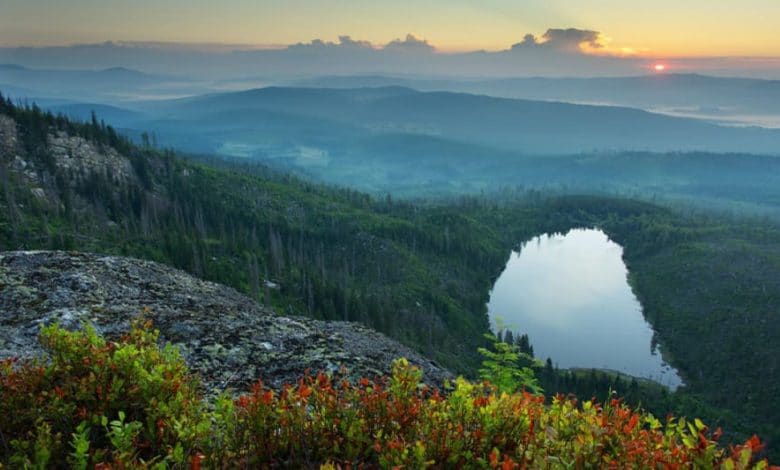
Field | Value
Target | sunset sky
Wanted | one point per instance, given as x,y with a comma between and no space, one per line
658,28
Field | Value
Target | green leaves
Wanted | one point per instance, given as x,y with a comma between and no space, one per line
79,458
159,421
122,436
507,368
87,381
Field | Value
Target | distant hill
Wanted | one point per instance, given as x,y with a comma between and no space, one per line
369,138
105,85
718,98
83,112
115,76
458,143
520,125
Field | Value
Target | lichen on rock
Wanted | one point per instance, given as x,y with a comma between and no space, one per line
227,338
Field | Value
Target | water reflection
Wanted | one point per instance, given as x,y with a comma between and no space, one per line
570,294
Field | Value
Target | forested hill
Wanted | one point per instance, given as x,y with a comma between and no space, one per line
420,276
419,272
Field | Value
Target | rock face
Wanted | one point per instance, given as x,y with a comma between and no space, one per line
8,135
227,338
75,157
79,158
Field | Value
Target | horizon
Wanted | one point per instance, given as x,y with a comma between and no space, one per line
217,46
744,30
558,52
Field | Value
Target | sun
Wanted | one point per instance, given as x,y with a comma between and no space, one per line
659,67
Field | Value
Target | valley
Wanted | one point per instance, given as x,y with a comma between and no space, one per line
419,272
365,138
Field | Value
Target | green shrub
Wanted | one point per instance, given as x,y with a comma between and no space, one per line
131,404
126,401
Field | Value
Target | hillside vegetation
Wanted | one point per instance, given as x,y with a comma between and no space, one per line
131,404
419,272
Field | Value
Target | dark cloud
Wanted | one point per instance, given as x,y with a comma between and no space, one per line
409,44
569,40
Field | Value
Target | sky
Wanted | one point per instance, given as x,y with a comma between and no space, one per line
668,28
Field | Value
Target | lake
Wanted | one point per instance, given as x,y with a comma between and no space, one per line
570,294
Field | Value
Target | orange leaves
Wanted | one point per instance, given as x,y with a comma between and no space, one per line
755,444
196,460
259,395
160,424
400,426
242,401
304,391
494,456
508,463
628,428
479,402
390,422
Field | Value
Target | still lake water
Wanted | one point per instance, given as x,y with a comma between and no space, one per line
570,294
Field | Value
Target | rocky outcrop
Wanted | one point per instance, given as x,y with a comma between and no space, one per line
8,135
227,338
79,158
75,158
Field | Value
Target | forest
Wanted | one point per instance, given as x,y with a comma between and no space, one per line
419,271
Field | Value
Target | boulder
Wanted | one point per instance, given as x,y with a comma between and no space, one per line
227,338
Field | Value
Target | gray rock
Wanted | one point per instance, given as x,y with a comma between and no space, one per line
8,136
228,339
81,157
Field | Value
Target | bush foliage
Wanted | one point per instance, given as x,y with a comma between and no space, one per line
131,404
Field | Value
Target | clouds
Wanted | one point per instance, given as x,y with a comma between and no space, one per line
558,52
410,44
345,42
570,40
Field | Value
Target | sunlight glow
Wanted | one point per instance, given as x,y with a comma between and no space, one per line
659,67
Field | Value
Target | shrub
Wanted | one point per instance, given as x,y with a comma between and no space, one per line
93,401
131,404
